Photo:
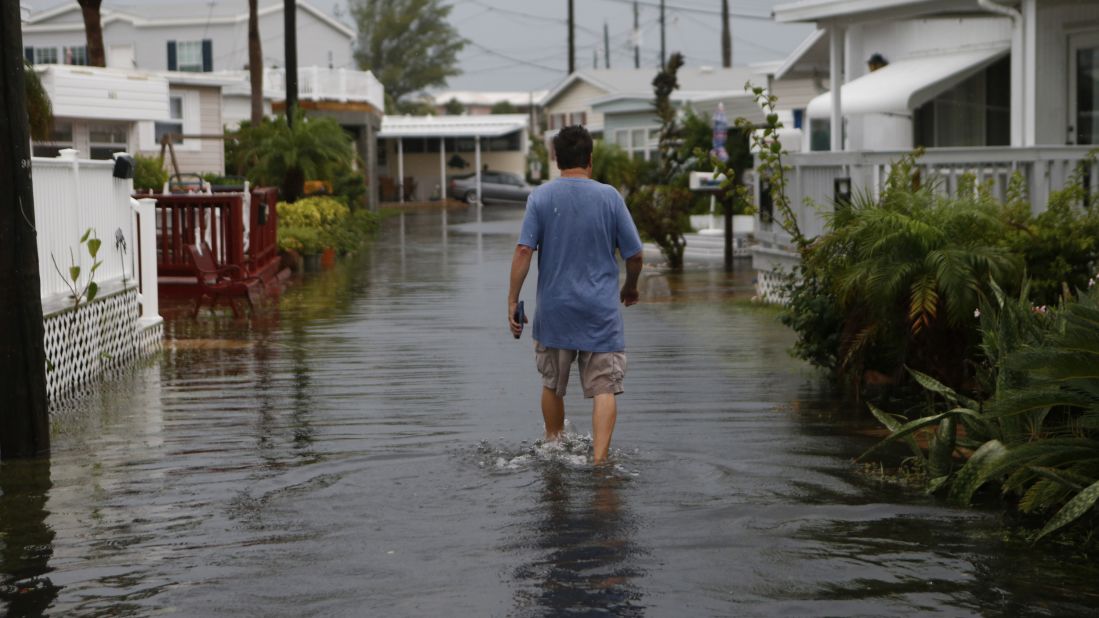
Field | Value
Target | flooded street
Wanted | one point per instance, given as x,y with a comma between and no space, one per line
366,448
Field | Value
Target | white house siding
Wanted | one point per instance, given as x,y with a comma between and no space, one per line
199,156
1055,24
318,41
577,98
99,94
796,93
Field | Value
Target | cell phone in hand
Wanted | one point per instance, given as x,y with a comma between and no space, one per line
520,316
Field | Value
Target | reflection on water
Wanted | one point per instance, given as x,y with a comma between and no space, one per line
579,543
26,540
330,455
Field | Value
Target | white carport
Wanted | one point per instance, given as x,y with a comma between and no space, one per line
444,127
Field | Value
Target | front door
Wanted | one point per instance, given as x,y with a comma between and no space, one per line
1083,88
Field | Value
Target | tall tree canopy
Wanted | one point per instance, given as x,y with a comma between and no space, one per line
408,44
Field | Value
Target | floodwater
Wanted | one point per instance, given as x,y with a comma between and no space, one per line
367,448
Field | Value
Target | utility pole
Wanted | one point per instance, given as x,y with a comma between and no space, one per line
636,38
595,58
663,60
290,36
606,45
726,36
24,417
572,41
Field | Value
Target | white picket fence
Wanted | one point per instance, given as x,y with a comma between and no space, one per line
74,195
122,323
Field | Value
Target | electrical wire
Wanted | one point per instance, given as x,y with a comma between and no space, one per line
692,9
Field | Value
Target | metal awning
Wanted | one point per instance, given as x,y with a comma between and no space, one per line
493,125
907,84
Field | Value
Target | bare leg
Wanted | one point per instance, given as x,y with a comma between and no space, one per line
603,414
553,413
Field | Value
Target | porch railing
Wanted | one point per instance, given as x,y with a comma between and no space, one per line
811,181
323,84
240,229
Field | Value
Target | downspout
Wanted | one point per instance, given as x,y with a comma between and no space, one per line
1018,88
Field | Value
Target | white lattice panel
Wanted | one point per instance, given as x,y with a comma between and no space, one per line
769,287
100,336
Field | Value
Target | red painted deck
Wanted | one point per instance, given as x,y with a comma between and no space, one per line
218,219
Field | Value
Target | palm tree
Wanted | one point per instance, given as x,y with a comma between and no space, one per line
274,153
255,63
93,32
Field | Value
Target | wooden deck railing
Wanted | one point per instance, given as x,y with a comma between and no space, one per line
219,220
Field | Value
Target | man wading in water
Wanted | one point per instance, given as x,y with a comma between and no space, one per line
576,224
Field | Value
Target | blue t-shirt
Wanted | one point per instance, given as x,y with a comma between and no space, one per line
576,224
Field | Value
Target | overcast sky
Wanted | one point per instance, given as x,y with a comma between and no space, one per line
521,44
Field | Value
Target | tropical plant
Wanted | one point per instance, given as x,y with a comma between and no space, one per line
39,108
149,173
906,272
1037,434
661,209
277,154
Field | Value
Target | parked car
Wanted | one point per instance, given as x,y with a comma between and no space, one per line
496,187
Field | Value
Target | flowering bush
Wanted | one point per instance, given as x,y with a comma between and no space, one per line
313,224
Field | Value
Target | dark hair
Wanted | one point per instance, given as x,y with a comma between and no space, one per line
572,147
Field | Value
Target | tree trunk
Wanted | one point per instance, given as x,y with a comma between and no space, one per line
255,63
93,31
24,417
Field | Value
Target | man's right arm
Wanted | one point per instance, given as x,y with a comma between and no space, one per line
520,266
629,293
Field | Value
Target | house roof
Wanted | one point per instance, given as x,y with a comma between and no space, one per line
810,54
477,97
637,81
904,85
178,14
492,125
865,10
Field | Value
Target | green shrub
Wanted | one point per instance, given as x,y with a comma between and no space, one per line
149,173
304,240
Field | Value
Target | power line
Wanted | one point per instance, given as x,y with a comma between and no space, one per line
493,52
692,9
542,18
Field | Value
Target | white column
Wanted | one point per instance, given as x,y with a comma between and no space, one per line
146,237
1029,57
854,66
400,169
442,168
836,77
477,163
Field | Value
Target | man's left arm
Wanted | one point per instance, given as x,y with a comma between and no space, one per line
629,293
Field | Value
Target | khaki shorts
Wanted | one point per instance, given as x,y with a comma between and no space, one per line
600,372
